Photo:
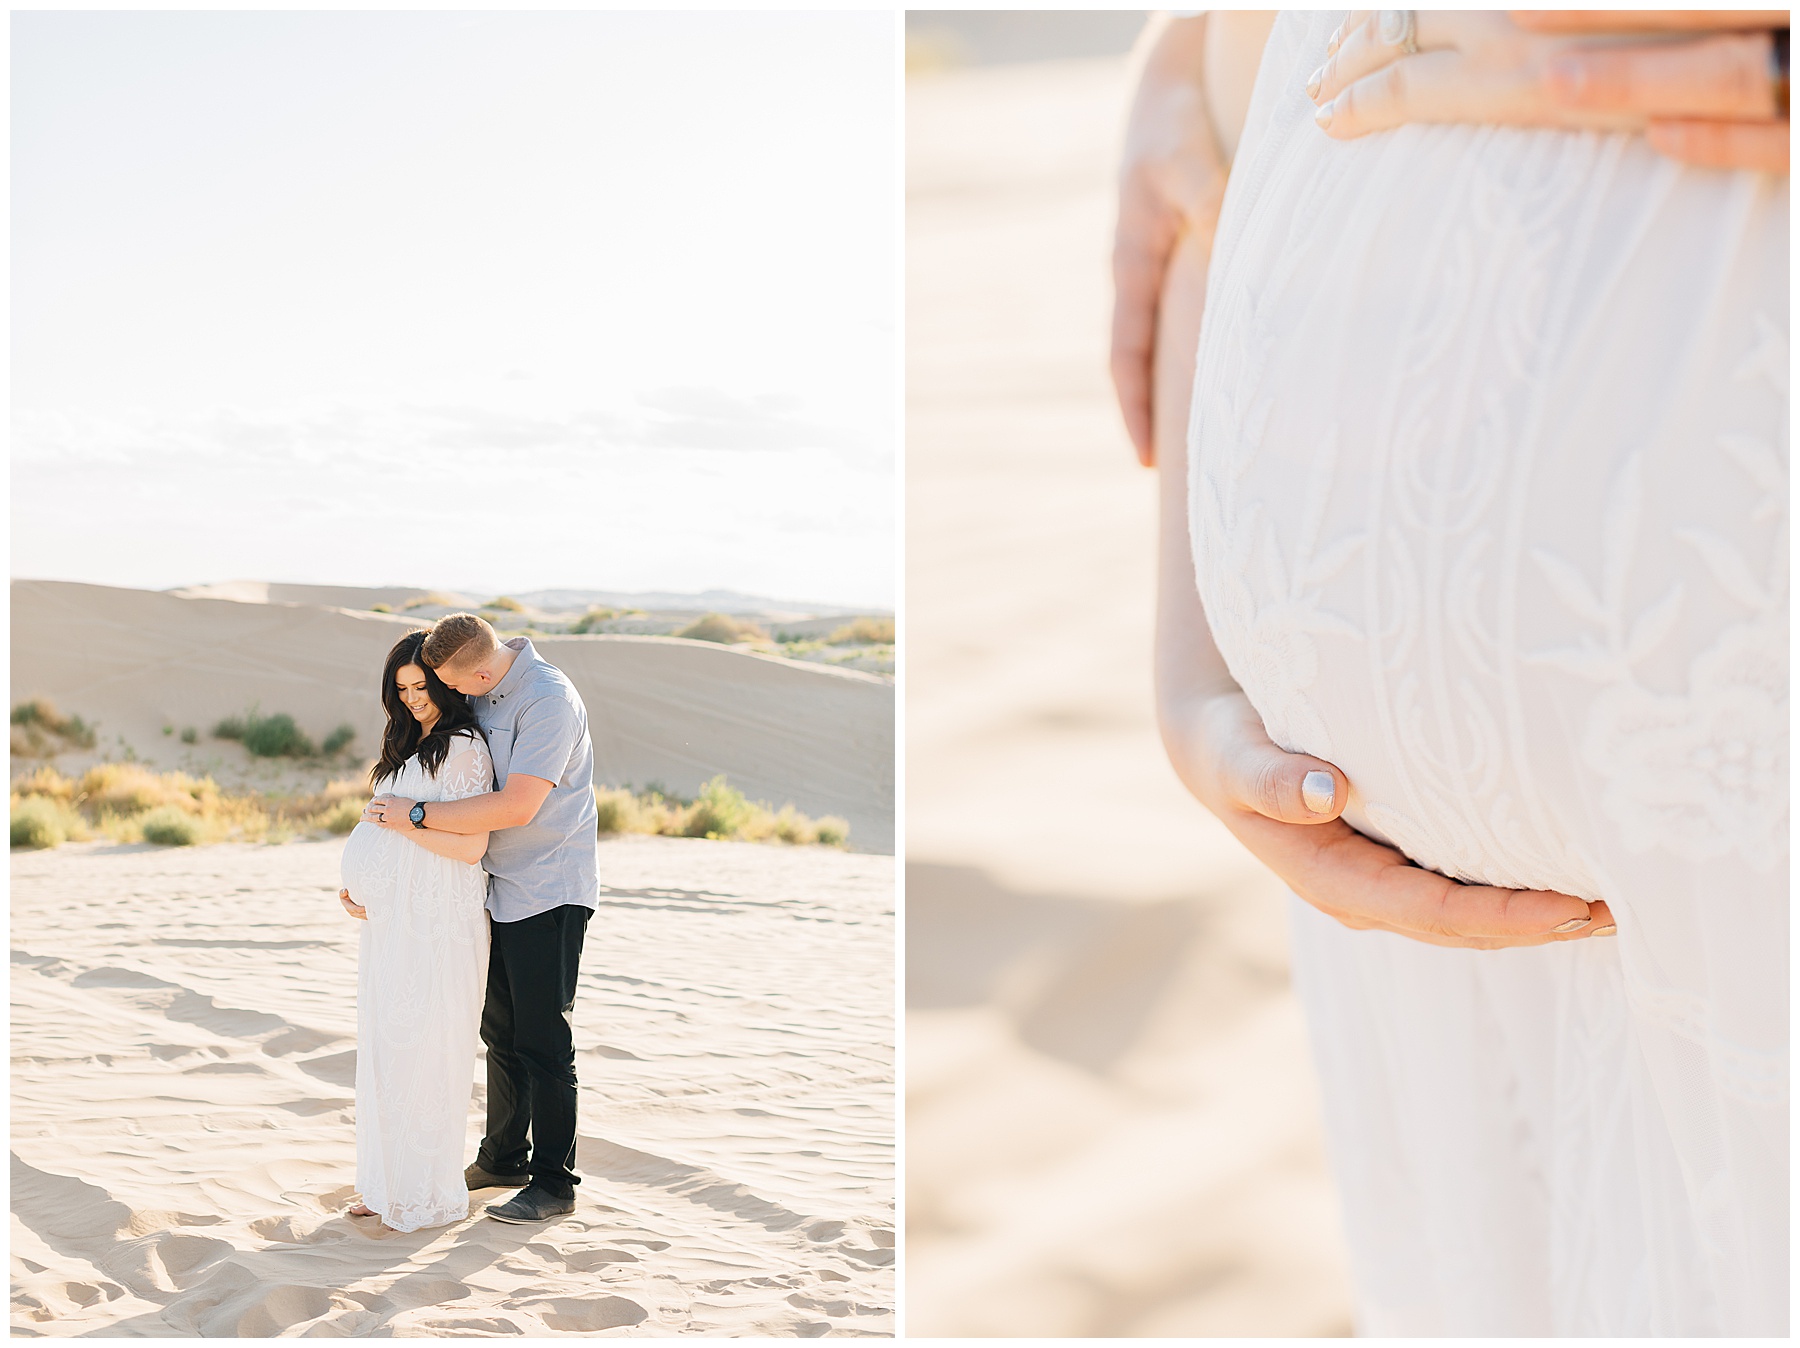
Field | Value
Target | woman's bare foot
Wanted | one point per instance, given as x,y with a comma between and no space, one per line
364,1210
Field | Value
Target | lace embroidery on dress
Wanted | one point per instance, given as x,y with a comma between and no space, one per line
421,979
1696,773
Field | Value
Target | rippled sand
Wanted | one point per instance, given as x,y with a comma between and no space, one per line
184,1034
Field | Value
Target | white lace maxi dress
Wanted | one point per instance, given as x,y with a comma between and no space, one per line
421,977
1489,505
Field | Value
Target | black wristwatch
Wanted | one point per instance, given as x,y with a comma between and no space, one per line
417,815
1778,69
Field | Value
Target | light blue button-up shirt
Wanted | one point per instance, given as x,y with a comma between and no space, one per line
536,724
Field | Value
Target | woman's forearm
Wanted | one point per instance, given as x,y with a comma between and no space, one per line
465,847
1189,668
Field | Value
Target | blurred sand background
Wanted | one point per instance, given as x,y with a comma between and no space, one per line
1111,1119
184,1058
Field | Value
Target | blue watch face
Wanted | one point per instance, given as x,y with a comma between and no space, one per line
417,813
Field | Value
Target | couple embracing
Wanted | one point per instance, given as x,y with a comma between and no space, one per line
476,873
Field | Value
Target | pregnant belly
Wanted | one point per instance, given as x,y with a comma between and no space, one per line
1488,492
368,868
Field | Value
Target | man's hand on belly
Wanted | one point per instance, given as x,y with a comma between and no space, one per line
1706,86
1261,793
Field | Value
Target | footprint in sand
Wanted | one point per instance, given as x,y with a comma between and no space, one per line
166,1262
235,1303
585,1316
334,1069
299,1040
54,1300
493,1325
289,1231
581,1261
412,1292
836,1309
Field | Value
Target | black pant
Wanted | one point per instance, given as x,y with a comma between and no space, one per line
532,966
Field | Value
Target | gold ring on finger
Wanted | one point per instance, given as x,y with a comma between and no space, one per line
1400,28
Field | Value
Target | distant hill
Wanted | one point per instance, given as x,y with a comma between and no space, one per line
549,601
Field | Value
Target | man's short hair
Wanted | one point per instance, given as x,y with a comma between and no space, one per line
459,638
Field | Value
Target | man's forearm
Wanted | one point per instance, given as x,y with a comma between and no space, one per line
476,814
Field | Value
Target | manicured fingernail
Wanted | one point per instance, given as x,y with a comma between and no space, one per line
1313,81
1337,38
1319,791
1323,117
1572,924
1609,929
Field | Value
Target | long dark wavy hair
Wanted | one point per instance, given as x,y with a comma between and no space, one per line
401,740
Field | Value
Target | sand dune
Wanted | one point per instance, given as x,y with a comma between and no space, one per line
184,1054
1111,1122
323,596
660,710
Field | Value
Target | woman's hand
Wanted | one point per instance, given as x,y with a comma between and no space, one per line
355,910
393,812
1171,185
1284,808
1701,86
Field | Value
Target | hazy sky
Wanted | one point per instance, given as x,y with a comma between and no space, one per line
497,301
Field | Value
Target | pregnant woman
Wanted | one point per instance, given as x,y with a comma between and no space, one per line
423,963
1473,627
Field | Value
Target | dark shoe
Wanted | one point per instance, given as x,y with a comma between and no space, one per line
532,1204
477,1178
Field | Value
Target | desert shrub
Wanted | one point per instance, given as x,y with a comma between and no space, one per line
864,631
381,608
722,628
618,811
128,789
39,821
341,817
338,740
273,736
40,715
720,811
506,602
46,781
592,619
190,736
170,827
129,802
793,827
441,600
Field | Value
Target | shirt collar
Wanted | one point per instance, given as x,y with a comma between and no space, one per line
516,675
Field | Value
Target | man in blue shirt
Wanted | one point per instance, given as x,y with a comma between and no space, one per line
543,886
